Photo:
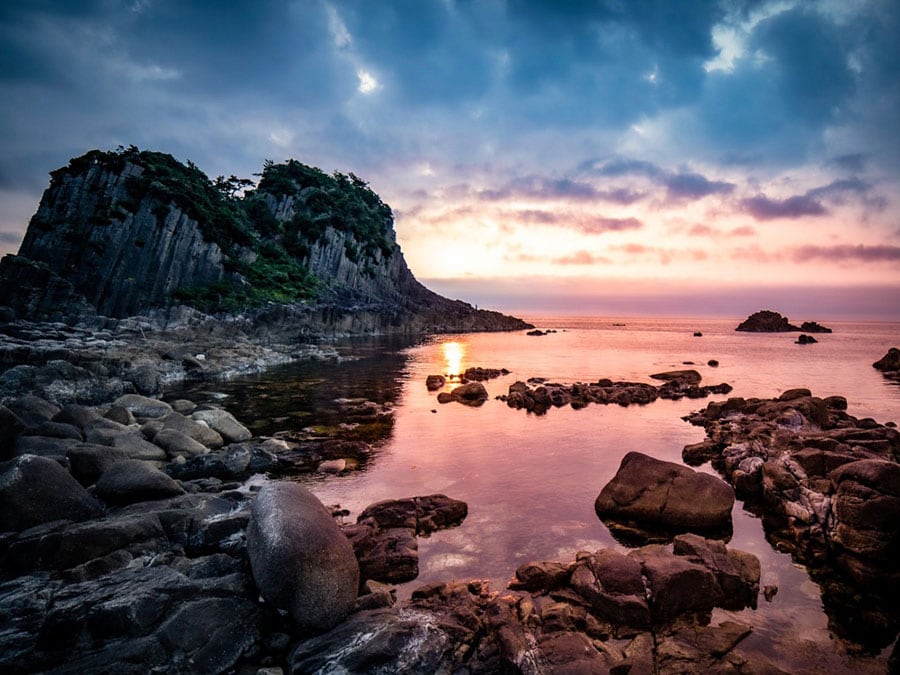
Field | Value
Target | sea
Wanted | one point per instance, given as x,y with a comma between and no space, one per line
530,481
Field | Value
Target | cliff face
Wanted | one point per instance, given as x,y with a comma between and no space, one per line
120,234
123,253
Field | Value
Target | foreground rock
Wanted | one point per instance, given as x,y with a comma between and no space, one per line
827,486
604,612
471,394
301,561
649,495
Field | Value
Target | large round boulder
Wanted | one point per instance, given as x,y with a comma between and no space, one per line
658,495
36,490
300,559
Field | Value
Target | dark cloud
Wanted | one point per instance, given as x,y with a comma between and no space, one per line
798,206
848,253
694,186
853,162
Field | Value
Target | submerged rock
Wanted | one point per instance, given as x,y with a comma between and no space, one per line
301,561
655,495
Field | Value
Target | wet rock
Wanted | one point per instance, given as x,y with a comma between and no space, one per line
209,635
541,576
423,515
389,555
77,415
141,406
676,584
36,490
480,374
224,423
133,480
435,382
301,560
42,446
695,648
889,364
612,585
685,376
813,327
238,461
737,572
662,495
804,339
471,393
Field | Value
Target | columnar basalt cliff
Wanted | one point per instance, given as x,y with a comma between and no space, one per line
122,233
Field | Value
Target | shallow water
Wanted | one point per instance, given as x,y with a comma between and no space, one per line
531,481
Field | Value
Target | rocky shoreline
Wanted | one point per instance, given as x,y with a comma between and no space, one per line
135,534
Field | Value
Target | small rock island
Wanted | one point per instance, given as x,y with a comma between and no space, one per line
767,321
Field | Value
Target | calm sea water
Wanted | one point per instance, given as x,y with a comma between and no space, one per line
531,481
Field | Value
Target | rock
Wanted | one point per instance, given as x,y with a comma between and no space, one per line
806,340
685,376
435,382
383,641
238,461
141,406
813,327
389,555
537,332
479,374
42,446
890,362
36,490
209,635
88,461
471,393
145,379
423,515
32,410
301,561
177,444
332,466
736,572
224,424
200,432
183,406
120,415
55,430
766,321
611,583
10,428
76,415
663,495
132,481
676,584
712,363
541,576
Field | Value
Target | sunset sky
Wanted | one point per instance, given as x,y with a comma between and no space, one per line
681,157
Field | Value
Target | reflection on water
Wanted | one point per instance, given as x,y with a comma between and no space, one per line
530,482
454,353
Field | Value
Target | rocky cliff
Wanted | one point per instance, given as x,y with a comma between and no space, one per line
122,233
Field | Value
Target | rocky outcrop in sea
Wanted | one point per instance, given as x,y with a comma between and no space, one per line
767,321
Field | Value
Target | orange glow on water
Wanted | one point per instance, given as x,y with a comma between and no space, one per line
453,354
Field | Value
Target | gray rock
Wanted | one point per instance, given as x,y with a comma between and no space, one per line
224,423
655,494
301,561
36,490
183,406
145,379
120,414
141,406
238,461
55,430
196,430
33,410
76,415
132,481
177,444
53,448
10,428
88,461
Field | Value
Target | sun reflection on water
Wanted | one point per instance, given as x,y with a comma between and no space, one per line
453,353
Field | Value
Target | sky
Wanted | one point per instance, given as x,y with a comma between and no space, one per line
681,157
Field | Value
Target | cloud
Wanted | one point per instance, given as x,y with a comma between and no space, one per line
694,186
798,206
848,253
581,258
681,185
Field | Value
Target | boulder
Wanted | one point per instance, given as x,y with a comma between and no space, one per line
889,362
471,393
389,555
224,423
146,380
813,327
88,461
676,584
76,415
36,490
120,415
301,561
766,321
55,430
683,376
805,339
142,406
653,494
43,446
435,382
200,432
33,410
423,515
133,480
10,428
177,444
737,572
